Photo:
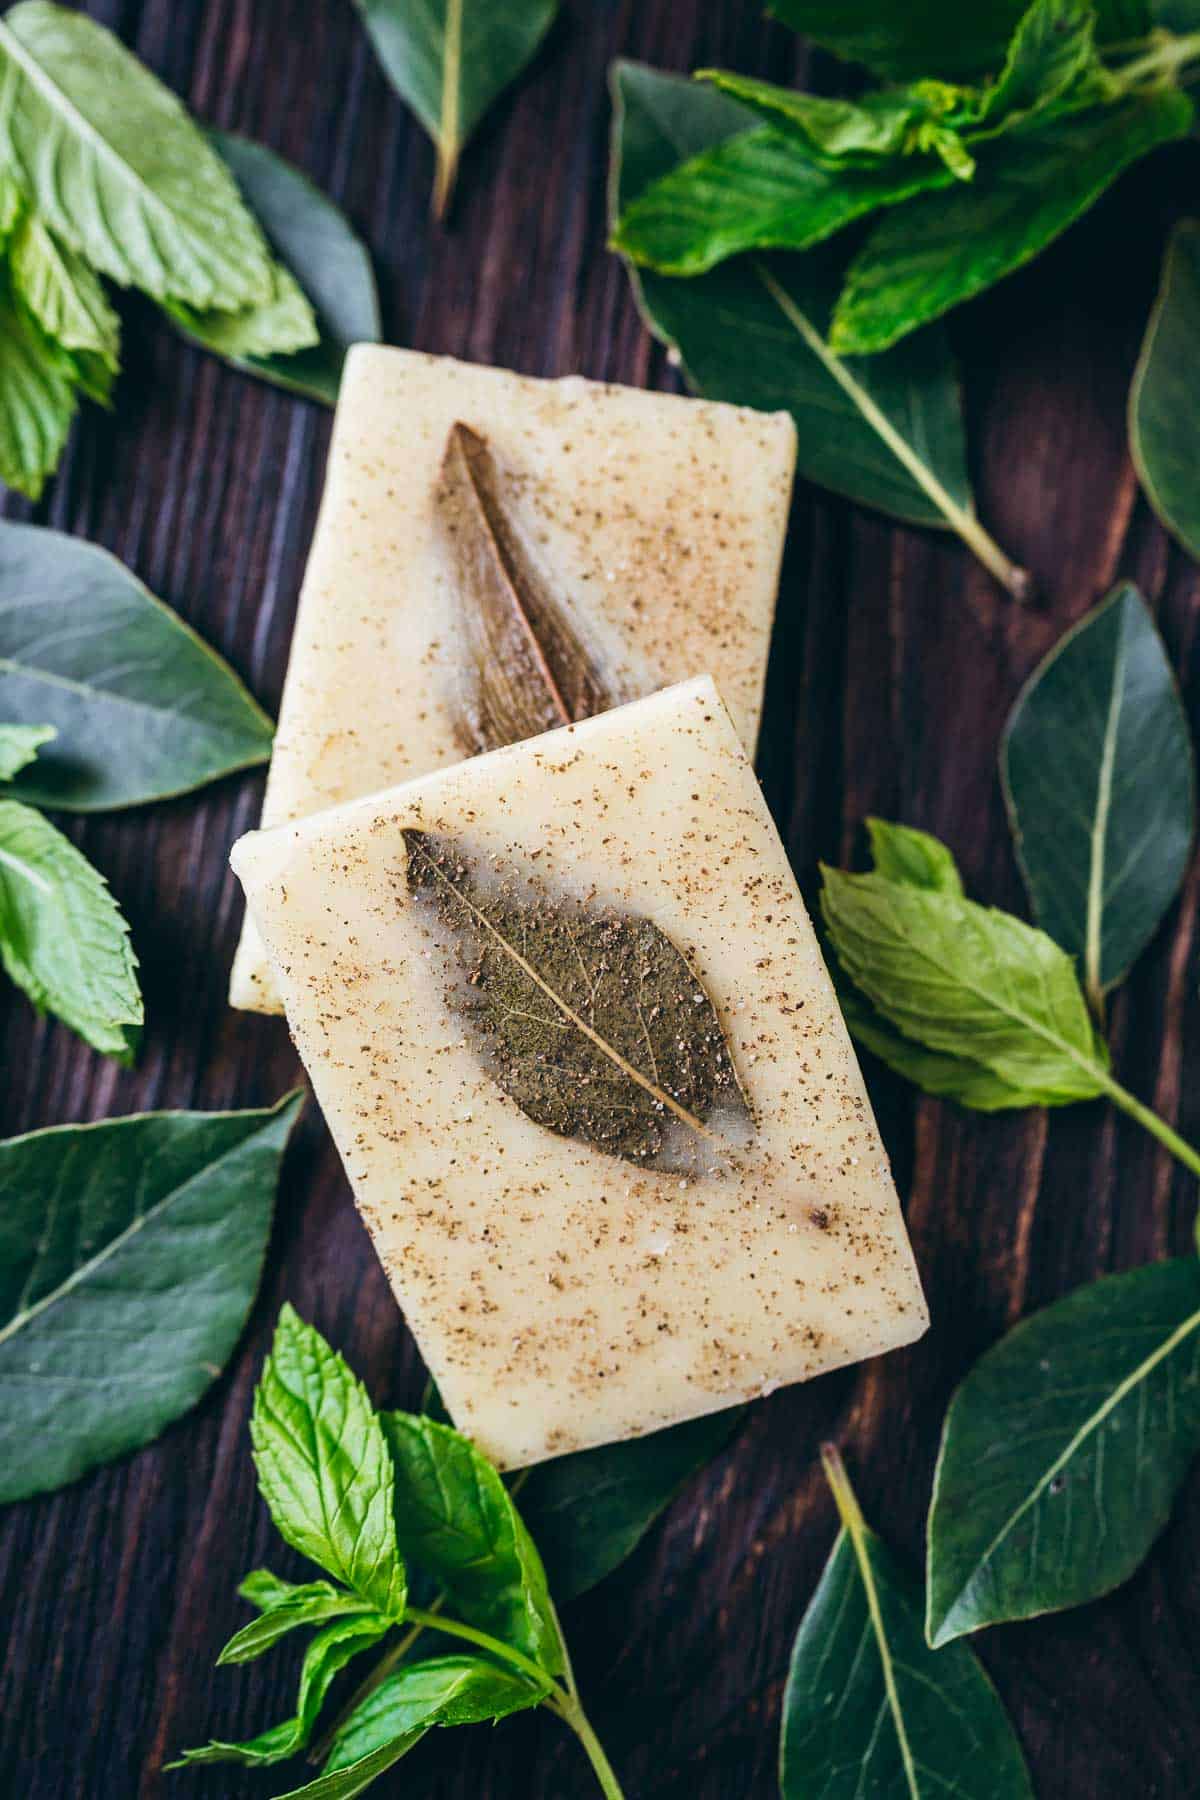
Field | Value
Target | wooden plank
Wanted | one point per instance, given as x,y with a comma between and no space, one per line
894,664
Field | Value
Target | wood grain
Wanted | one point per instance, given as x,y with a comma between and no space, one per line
895,661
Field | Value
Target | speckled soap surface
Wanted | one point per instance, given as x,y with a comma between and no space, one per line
561,1296
660,518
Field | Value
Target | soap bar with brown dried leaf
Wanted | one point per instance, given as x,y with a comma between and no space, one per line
568,1021
497,554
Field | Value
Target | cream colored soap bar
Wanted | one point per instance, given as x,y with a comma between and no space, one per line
562,1296
660,520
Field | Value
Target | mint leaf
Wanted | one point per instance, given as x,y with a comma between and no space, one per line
1100,782
324,1660
116,167
278,325
19,744
130,1254
456,1520
323,1465
342,1784
448,1690
862,133
38,383
941,250
968,981
312,1603
945,1077
902,853
62,292
63,939
142,707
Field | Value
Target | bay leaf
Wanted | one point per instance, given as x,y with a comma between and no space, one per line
885,431
141,707
1164,401
321,256
1063,1450
130,1253
449,59
869,1708
1099,778
590,1019
522,665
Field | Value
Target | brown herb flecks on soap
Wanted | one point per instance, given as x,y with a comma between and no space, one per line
522,665
590,1019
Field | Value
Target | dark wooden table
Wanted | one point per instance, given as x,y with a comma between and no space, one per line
895,662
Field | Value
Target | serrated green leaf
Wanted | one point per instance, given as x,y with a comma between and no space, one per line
116,167
311,1603
143,709
19,744
328,1654
323,1465
64,295
876,127
449,59
922,38
38,384
588,1511
934,1072
63,938
281,324
1164,401
940,250
902,853
343,1784
456,1520
1100,783
448,1690
968,981
1063,1451
130,1253
868,1707
738,343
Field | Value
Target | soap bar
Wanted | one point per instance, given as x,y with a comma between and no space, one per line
562,1294
660,519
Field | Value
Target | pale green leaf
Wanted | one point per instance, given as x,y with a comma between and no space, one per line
64,295
117,168
942,249
968,981
19,744
63,939
1164,401
343,1784
323,1465
902,853
38,384
1100,782
447,1690
130,1253
1063,1451
944,1076
143,709
449,59
312,1603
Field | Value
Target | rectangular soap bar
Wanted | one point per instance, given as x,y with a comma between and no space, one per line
659,519
563,1295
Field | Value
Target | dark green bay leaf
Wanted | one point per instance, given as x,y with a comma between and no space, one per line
588,1511
522,665
447,1690
450,59
323,1465
885,431
968,981
869,1708
590,1019
1063,1451
1164,401
141,706
942,249
117,168
924,37
130,1253
319,251
456,1520
1100,783
63,939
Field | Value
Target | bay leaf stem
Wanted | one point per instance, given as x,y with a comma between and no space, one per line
1017,581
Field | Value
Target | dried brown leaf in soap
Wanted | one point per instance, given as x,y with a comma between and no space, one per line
589,1018
521,662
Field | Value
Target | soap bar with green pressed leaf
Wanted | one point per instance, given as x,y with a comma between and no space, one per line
648,526
570,1026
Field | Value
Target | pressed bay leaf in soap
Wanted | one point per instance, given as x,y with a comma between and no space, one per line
522,665
589,1018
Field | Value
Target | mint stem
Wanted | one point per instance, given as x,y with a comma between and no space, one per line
571,1713
1151,1122
456,1628
379,1674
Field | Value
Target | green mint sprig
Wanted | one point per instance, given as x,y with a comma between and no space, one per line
366,1495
